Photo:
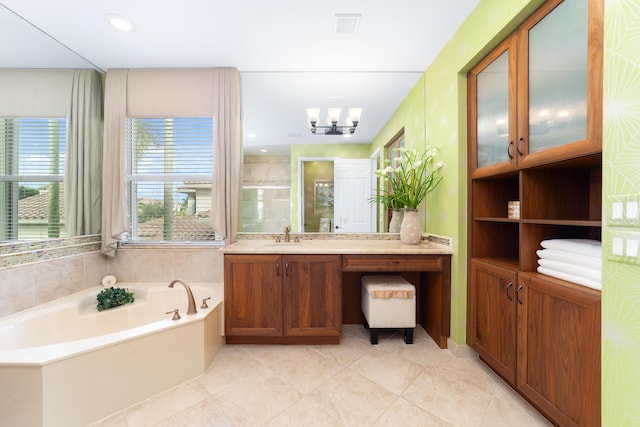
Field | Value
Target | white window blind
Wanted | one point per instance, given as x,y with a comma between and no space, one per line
170,166
32,152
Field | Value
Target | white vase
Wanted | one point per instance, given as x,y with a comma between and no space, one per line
410,231
396,220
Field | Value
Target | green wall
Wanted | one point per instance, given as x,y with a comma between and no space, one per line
621,177
435,112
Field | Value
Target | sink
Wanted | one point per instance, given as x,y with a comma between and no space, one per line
282,244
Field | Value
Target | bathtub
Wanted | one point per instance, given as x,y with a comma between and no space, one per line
64,363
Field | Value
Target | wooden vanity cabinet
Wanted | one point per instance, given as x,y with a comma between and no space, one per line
287,299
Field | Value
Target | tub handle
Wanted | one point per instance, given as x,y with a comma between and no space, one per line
176,314
204,303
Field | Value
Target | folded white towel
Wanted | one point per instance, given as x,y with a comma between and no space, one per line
570,278
576,259
577,270
577,246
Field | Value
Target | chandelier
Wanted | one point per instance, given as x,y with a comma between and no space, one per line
333,117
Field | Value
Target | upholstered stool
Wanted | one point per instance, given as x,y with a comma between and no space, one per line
388,302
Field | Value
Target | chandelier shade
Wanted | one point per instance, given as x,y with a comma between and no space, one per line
333,117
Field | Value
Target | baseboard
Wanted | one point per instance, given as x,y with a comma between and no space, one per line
460,351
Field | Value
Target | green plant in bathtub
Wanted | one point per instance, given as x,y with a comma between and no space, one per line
113,297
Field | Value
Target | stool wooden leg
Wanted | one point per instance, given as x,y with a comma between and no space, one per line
408,336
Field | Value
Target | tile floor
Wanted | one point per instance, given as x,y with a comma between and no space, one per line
351,384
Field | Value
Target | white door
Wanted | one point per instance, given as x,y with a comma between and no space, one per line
352,188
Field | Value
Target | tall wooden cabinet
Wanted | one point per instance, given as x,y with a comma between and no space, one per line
273,298
535,136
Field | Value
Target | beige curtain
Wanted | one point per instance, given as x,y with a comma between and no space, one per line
83,166
227,155
115,218
213,92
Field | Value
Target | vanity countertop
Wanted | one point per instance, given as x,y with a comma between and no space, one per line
337,246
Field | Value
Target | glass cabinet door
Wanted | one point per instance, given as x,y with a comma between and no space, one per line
492,87
558,77
493,112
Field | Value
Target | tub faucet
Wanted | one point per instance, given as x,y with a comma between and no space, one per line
192,302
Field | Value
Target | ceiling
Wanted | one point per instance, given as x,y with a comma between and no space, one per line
287,52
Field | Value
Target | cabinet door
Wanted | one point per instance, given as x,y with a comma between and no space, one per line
312,295
560,82
492,112
493,317
559,349
253,295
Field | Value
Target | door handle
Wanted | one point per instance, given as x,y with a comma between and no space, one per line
509,286
520,153
518,294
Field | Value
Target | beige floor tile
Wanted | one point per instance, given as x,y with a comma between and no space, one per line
451,399
116,420
166,404
231,363
352,399
509,409
261,393
308,412
406,414
388,369
209,413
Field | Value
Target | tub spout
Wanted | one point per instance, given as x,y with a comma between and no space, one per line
192,302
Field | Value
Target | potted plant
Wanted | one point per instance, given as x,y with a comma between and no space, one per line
415,176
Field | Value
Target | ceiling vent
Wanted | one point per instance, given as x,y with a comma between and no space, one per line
346,23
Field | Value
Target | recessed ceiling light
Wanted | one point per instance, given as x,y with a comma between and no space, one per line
121,23
346,23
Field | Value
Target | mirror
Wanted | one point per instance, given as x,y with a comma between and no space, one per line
33,49
275,119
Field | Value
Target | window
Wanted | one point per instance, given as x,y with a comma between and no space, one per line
170,166
32,155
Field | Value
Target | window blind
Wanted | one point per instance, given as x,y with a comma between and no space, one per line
170,167
32,164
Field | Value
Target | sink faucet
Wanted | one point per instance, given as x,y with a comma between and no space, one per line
192,302
287,239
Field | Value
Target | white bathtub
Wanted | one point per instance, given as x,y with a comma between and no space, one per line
66,364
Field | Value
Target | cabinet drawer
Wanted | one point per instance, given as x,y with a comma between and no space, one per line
391,262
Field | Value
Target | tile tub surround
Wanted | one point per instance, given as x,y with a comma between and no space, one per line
76,382
351,384
32,284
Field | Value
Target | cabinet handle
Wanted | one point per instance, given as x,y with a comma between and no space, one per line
392,262
278,269
518,294
509,286
286,269
509,150
520,153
